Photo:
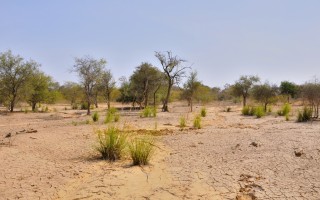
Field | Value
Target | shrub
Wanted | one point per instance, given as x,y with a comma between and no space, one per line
259,112
84,106
95,117
287,117
74,106
285,110
305,115
197,122
149,112
141,150
111,143
112,115
203,112
228,109
182,122
245,110
116,117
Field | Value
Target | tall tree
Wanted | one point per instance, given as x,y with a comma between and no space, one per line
14,73
243,85
145,80
72,92
173,70
311,93
190,88
289,89
265,94
107,85
89,71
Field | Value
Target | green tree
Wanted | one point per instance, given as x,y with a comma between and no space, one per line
289,89
190,88
14,74
89,71
72,92
107,85
145,81
311,93
243,85
265,94
173,71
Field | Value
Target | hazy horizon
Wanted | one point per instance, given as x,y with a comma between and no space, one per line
221,39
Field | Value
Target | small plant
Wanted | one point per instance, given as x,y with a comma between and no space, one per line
203,112
284,110
287,117
182,123
245,110
228,109
259,112
149,112
26,111
269,109
87,121
197,122
84,106
74,106
116,117
112,115
111,143
141,150
305,115
95,117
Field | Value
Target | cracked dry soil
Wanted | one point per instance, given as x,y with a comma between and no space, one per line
232,157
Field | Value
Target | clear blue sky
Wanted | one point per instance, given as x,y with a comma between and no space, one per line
275,39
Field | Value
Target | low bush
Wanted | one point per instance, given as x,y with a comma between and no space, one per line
84,106
245,111
112,115
285,110
149,112
182,122
111,143
95,117
141,150
305,115
203,112
259,112
197,122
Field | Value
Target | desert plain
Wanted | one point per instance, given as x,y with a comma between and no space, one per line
52,156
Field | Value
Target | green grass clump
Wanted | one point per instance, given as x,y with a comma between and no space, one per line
259,112
182,122
285,110
287,117
149,112
305,115
112,116
197,122
203,112
141,150
245,111
111,143
84,106
95,117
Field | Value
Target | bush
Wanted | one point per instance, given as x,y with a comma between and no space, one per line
259,112
285,110
182,122
74,106
149,112
197,122
84,106
112,115
287,117
245,110
111,143
228,109
141,150
203,112
305,115
95,117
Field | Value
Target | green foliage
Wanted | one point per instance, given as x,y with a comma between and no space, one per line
141,150
265,94
95,117
246,111
197,122
111,143
285,110
242,87
305,115
259,112
112,115
287,117
84,106
182,122
203,112
288,88
149,112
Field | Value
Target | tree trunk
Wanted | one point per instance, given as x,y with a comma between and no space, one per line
191,105
154,96
165,103
88,110
265,107
244,101
12,105
33,105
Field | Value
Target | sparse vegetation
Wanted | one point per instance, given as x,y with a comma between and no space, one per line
285,110
112,115
259,112
197,122
141,150
111,143
149,112
182,122
305,115
95,117
203,112
228,109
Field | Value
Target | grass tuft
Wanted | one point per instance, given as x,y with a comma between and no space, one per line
141,150
149,112
95,117
305,115
197,122
203,112
182,122
285,110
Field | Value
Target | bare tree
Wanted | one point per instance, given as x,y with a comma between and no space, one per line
14,73
173,70
89,71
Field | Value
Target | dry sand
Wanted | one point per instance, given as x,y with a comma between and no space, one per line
231,157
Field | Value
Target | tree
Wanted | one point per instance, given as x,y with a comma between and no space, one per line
190,88
107,85
89,71
14,73
72,92
145,80
265,94
289,89
38,88
173,70
311,93
243,85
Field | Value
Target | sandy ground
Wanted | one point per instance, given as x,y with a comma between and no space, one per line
51,156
